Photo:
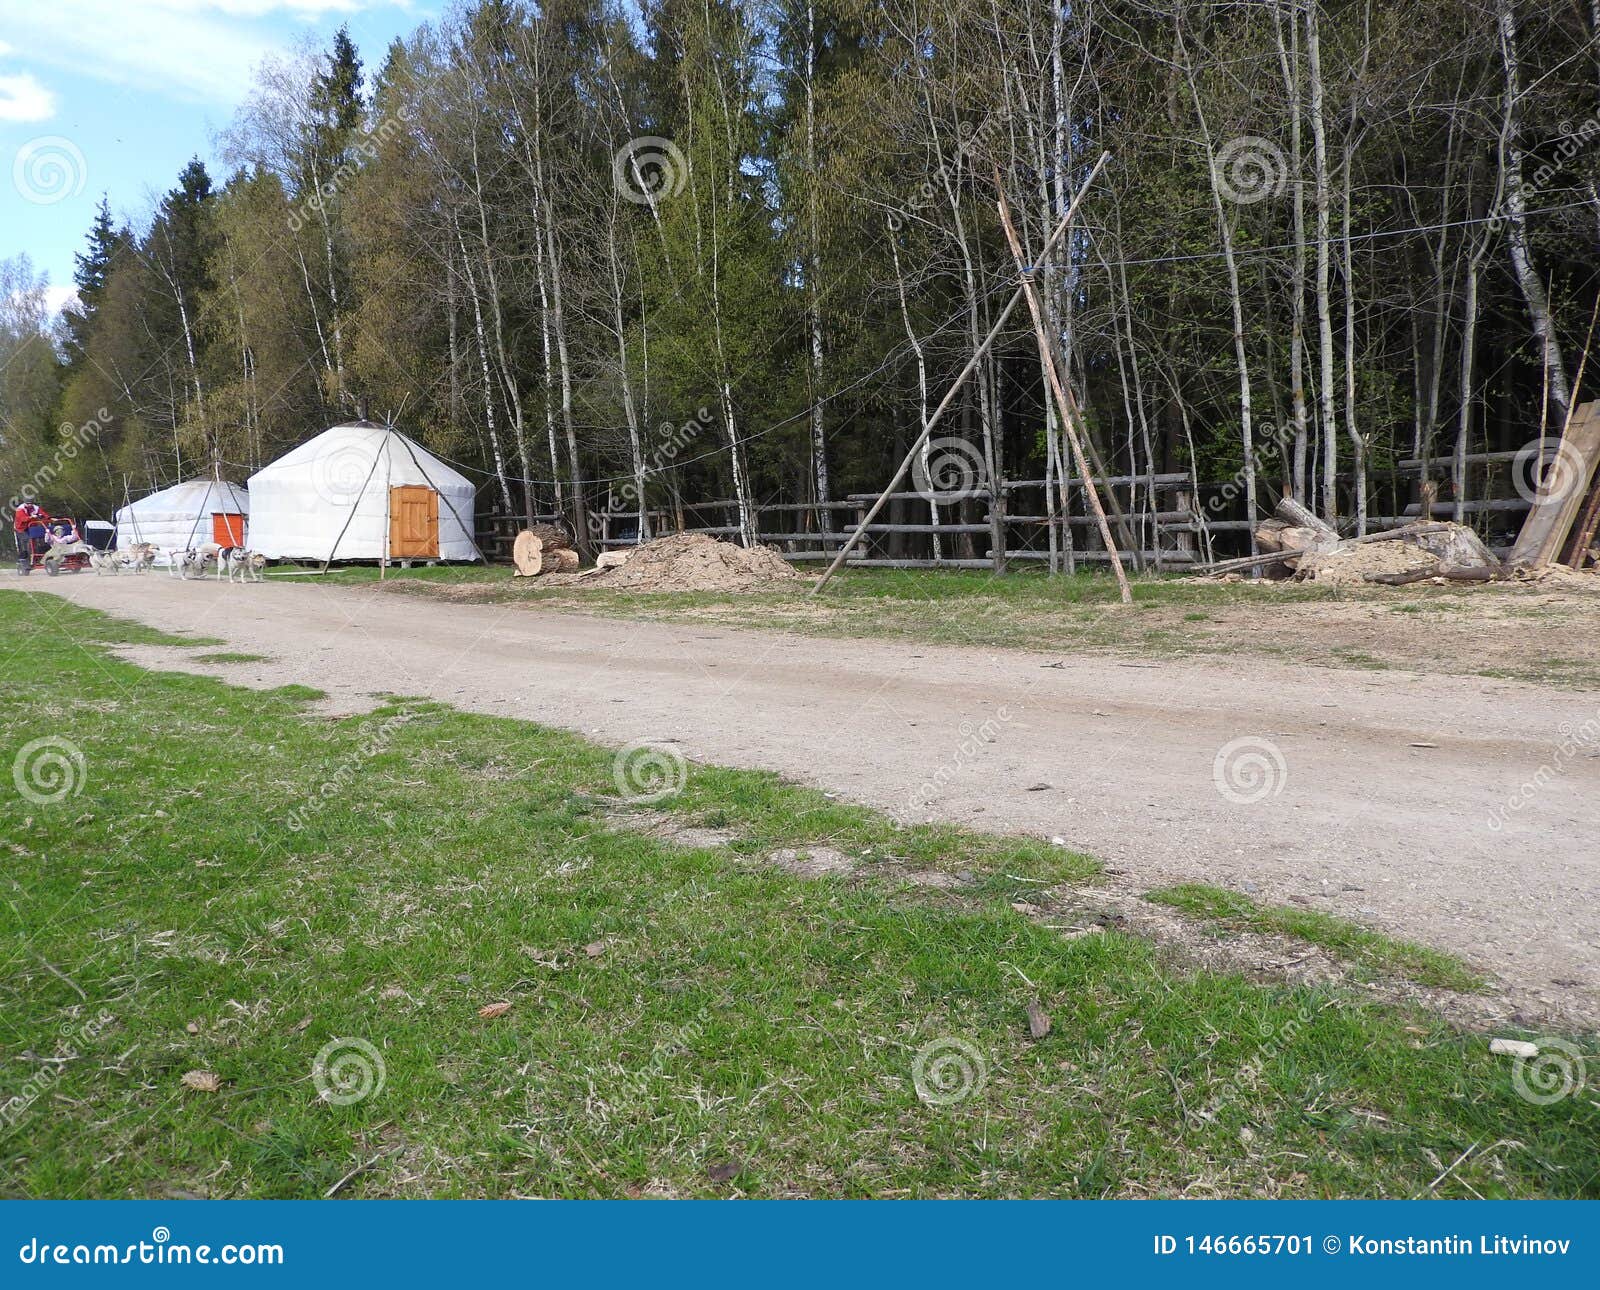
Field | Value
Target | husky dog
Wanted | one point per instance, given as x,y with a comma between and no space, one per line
140,556
104,562
182,563
244,565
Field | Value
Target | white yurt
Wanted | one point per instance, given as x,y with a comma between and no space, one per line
186,515
361,491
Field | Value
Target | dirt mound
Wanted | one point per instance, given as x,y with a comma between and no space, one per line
696,562
1349,566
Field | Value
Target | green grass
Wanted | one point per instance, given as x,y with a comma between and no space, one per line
1171,617
231,656
238,883
1346,940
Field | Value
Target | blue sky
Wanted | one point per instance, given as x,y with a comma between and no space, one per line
114,96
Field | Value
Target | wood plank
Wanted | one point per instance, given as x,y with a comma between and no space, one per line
1545,530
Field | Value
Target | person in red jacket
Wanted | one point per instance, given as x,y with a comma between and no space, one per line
31,525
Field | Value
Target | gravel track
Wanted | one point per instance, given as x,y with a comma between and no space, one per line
1392,798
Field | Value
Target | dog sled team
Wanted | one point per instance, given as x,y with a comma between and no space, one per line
40,535
234,562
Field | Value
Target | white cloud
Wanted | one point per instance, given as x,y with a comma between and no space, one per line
23,98
58,298
203,51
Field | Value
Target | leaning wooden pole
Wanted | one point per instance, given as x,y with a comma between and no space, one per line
955,388
1066,405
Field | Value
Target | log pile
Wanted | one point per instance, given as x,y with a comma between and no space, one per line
1297,543
543,548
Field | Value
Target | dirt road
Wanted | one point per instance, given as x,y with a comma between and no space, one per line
1460,812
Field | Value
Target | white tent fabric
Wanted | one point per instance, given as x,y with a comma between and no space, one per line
329,498
179,517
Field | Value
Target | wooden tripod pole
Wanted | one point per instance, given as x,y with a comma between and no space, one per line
955,387
1066,405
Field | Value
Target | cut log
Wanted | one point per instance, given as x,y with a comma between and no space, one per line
563,561
1406,532
553,536
612,559
1475,574
1458,547
1291,512
527,553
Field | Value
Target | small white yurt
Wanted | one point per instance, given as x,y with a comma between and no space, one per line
361,491
186,515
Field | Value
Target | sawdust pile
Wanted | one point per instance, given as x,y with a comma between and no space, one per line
1349,566
696,562
1561,578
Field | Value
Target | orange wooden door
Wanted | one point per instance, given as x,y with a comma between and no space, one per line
227,529
413,522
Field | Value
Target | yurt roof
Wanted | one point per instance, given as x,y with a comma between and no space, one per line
191,495
407,461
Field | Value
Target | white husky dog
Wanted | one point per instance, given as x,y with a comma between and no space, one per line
244,565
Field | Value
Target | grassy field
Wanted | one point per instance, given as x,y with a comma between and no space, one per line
253,951
1513,631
